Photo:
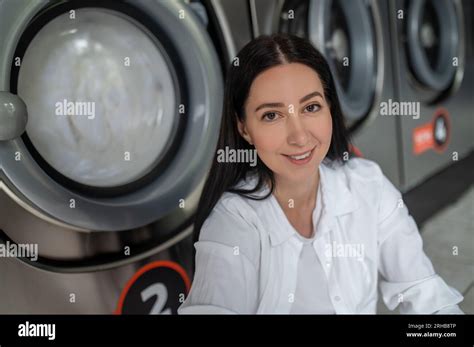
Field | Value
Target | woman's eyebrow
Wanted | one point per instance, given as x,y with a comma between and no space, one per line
279,104
310,95
270,105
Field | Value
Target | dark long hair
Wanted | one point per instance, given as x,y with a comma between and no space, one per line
257,56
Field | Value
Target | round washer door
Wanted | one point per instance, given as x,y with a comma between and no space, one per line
114,93
123,103
344,33
432,42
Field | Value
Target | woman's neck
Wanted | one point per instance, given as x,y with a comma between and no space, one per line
297,194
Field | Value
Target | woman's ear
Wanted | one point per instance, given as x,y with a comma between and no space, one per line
242,128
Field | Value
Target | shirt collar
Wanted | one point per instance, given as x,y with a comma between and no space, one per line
336,197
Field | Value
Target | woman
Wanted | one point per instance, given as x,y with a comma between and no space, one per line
305,229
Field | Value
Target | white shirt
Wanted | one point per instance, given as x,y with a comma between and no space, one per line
247,253
312,292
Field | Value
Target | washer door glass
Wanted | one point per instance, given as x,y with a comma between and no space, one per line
343,31
433,42
100,96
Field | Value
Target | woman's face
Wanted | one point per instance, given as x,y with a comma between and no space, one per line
288,120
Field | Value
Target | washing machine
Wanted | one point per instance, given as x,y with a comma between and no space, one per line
354,36
109,117
434,68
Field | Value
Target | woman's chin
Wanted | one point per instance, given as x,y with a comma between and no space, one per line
300,174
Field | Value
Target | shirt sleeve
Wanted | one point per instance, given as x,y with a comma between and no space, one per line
408,279
226,276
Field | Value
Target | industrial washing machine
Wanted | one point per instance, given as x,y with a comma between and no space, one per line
434,67
354,36
109,117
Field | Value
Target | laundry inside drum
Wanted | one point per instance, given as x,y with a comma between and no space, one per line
100,95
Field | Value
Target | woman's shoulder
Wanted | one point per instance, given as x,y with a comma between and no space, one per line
362,177
368,182
369,172
360,172
248,205
362,169
233,208
234,222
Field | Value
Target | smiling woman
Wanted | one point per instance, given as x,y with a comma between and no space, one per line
306,230
267,94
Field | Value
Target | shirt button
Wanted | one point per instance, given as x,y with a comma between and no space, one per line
328,263
337,298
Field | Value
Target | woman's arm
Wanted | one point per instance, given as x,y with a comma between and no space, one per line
226,277
408,278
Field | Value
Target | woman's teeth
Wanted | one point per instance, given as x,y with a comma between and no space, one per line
300,157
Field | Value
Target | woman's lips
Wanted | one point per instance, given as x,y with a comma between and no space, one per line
301,158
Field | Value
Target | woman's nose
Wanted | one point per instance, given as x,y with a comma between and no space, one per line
297,134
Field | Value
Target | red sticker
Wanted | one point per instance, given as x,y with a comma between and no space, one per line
433,135
355,150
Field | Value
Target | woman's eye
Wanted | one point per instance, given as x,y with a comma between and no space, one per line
269,116
313,108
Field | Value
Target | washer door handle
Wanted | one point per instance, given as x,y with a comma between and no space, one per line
13,116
